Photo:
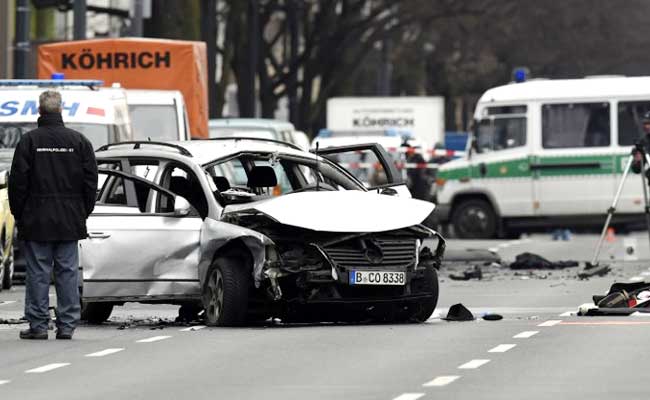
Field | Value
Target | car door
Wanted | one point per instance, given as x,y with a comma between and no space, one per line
142,243
371,164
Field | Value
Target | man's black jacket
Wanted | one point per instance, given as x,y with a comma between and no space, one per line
53,182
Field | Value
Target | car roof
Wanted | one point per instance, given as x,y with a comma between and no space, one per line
203,151
260,123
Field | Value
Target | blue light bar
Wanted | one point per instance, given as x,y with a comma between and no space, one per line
324,133
51,82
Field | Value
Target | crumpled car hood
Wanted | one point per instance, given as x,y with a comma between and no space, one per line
340,211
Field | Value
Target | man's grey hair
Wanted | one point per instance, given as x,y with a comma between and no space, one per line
49,102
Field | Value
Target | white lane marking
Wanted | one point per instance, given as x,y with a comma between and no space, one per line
409,396
104,353
502,348
645,273
493,249
473,364
46,368
4,303
505,245
525,334
4,382
567,314
636,278
152,339
441,381
193,328
551,322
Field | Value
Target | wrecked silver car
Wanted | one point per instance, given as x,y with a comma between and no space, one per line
249,229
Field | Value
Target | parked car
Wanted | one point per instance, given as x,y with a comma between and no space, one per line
249,229
6,230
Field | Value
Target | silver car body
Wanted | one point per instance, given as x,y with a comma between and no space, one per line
135,252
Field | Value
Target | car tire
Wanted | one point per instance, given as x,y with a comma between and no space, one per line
428,305
8,264
474,219
96,313
225,292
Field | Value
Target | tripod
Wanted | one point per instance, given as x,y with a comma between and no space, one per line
645,162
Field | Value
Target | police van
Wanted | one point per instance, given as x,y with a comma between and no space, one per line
101,114
546,153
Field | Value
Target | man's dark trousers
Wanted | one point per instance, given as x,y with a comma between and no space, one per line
40,258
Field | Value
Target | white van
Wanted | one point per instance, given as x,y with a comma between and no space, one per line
546,153
158,115
101,114
281,130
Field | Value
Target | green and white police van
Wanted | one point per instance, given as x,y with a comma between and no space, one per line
546,153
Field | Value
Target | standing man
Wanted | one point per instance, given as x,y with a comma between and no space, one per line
51,193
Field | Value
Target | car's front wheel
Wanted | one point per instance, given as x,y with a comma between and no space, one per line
96,313
428,305
225,292
8,263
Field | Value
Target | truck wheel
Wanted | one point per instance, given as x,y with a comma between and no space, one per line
225,293
7,280
96,313
474,219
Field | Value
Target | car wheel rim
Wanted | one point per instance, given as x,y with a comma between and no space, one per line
215,286
475,220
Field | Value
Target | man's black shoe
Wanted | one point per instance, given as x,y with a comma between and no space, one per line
30,334
64,335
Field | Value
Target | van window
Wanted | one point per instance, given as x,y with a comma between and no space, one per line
575,125
630,128
158,122
500,133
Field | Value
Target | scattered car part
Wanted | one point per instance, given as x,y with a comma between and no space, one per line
459,312
533,261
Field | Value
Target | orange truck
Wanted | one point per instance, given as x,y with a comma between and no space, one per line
137,63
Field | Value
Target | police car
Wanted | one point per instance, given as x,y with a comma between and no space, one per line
101,114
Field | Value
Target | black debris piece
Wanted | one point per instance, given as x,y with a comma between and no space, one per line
473,273
492,317
593,270
534,261
622,299
459,312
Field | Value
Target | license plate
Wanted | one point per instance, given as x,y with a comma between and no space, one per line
377,278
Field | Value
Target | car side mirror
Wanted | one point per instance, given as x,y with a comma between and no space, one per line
4,179
181,206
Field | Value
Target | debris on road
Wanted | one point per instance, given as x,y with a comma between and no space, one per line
473,273
492,317
534,261
622,299
459,312
594,270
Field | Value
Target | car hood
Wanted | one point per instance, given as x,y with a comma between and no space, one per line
340,211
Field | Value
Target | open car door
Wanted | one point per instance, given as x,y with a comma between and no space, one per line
143,243
371,164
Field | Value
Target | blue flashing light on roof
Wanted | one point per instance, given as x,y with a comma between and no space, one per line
58,75
520,74
51,82
324,133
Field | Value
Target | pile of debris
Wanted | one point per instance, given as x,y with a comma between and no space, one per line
623,299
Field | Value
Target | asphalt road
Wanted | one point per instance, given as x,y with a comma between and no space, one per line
539,350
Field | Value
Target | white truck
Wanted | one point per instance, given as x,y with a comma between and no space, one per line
421,117
158,115
101,114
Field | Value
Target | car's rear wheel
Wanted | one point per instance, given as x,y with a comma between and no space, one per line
225,292
96,313
474,219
